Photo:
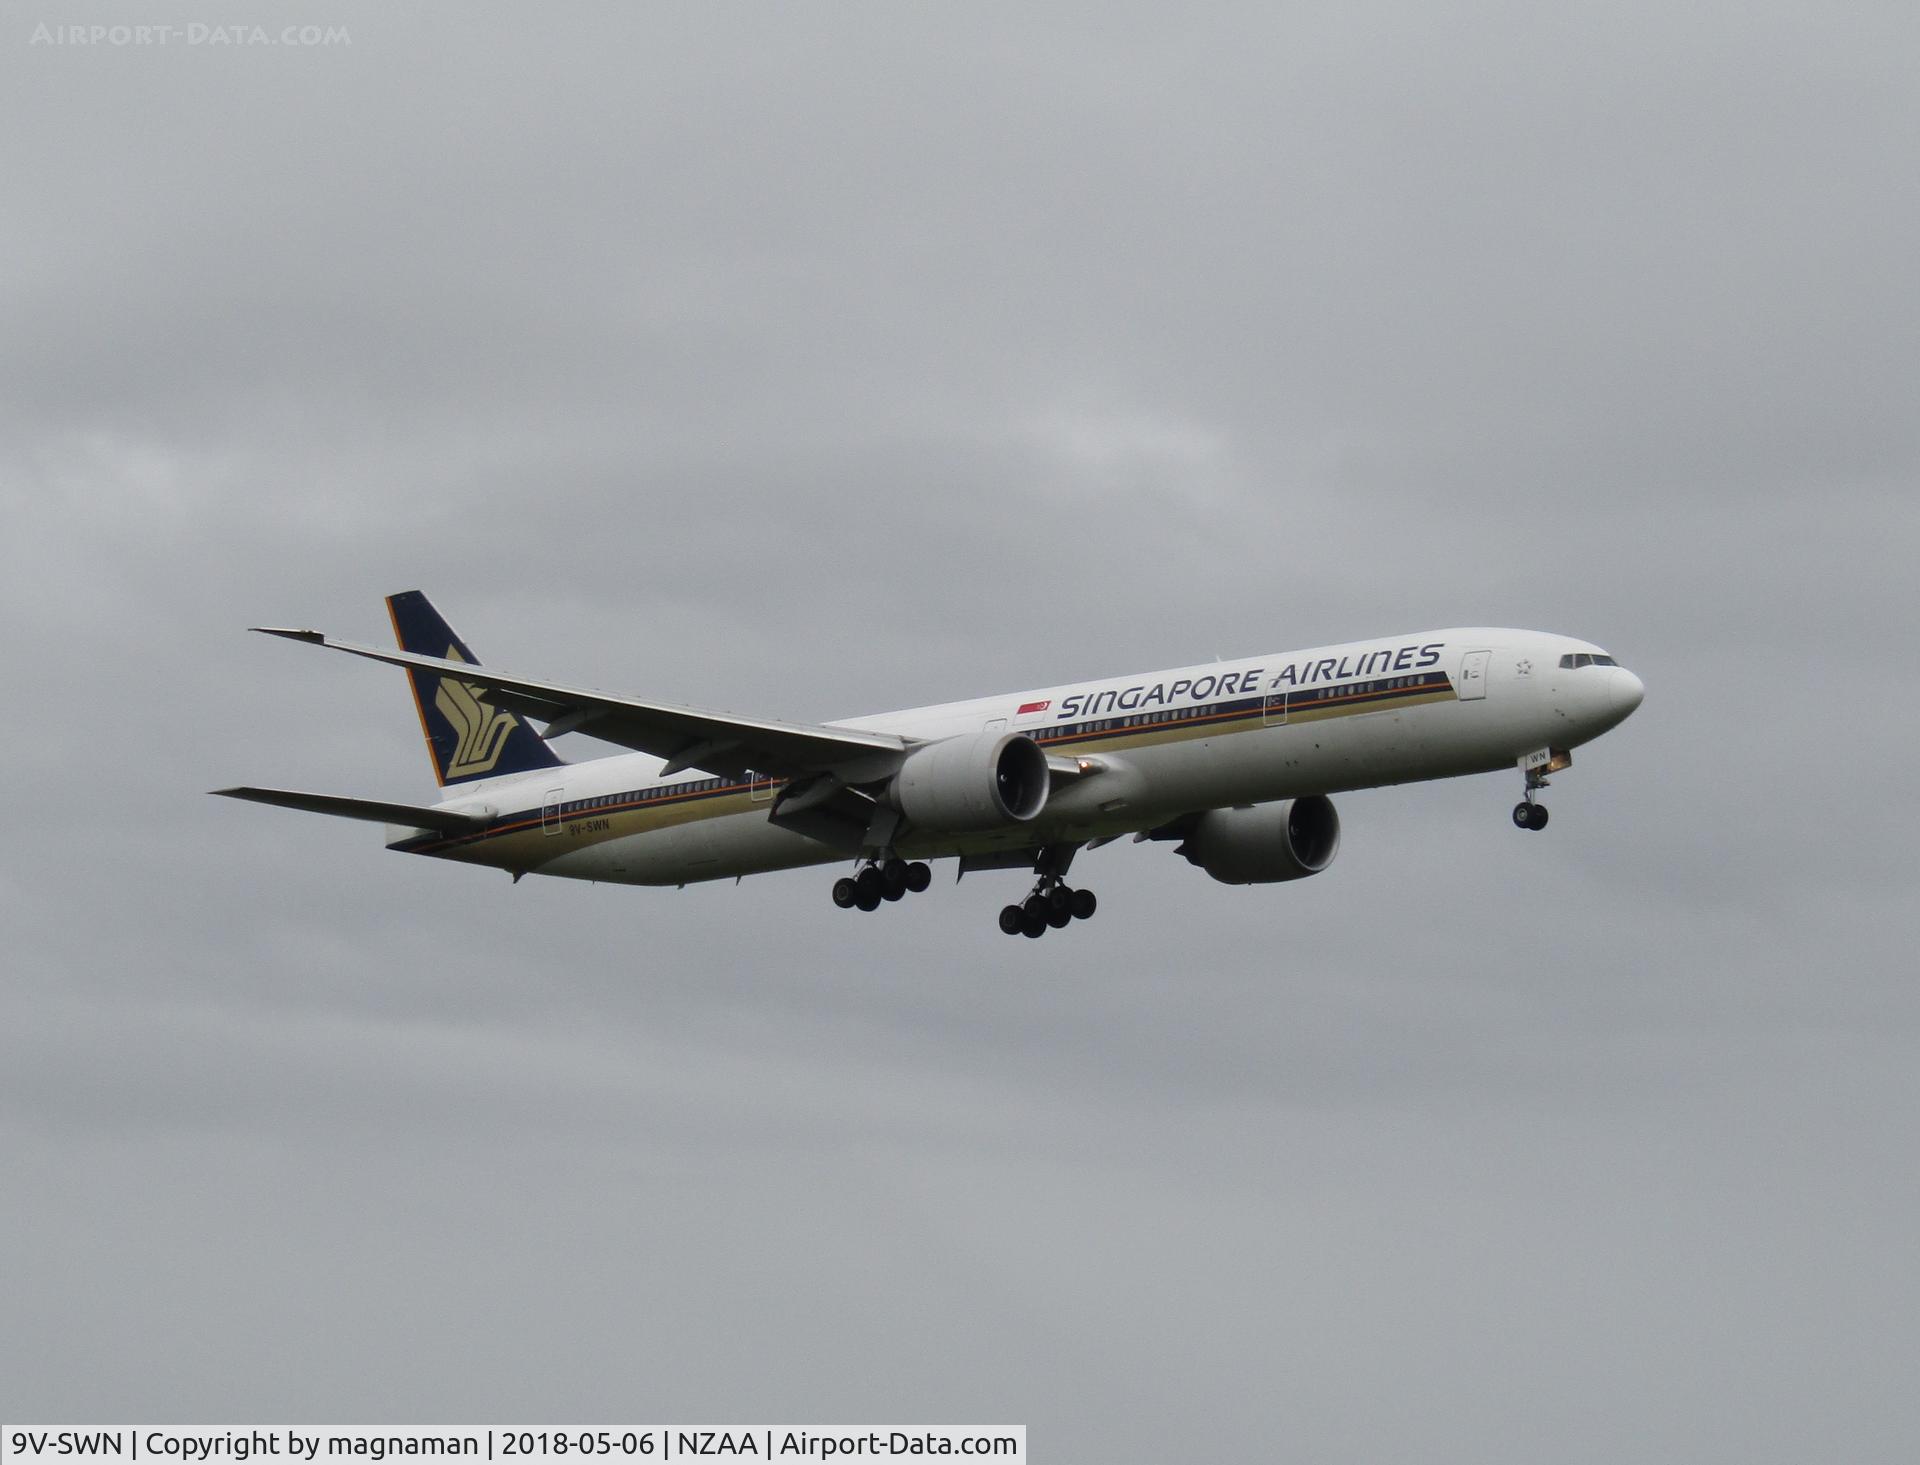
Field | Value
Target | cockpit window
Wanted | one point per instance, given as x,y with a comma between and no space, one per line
1586,658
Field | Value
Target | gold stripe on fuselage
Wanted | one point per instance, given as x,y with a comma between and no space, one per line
524,841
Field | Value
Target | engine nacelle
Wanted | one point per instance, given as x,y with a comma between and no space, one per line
971,783
1267,842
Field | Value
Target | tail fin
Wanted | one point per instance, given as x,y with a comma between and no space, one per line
467,737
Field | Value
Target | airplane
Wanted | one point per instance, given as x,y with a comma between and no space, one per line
1233,762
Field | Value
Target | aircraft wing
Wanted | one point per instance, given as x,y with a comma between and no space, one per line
686,737
415,816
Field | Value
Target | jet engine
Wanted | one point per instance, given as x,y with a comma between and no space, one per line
1266,842
970,783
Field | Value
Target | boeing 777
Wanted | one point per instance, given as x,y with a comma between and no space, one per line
1232,761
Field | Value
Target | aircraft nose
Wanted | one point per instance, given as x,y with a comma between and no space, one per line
1624,690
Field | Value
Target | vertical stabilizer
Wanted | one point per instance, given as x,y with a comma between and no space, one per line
467,737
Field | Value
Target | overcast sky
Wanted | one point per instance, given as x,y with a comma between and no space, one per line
810,360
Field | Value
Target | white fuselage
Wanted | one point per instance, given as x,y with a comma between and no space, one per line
1164,744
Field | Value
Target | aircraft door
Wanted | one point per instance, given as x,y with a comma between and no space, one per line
550,820
1274,709
1473,675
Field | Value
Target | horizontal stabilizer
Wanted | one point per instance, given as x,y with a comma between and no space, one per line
415,816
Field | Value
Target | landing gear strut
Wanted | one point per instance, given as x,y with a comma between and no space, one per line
879,881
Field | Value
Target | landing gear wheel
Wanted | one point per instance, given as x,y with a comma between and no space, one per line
1060,899
868,900
1059,917
870,882
893,879
1538,819
919,876
1032,925
845,893
1523,816
1012,919
1083,904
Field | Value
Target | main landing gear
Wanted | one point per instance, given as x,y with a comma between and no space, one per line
877,882
1053,905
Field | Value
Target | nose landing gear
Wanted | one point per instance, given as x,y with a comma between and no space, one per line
1527,814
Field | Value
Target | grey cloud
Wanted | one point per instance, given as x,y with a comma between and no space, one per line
816,361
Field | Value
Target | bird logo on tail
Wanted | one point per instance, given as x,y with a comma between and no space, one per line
481,731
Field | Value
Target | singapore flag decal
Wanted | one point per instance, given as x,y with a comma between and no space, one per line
1026,707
